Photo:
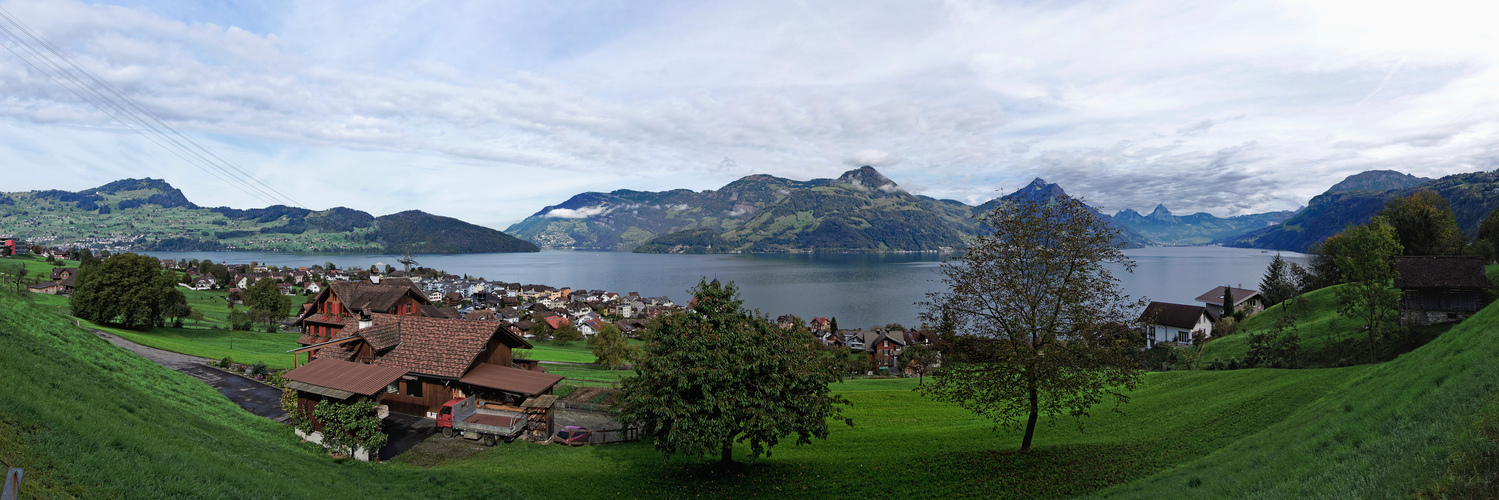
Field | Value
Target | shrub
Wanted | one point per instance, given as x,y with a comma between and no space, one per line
350,426
226,362
258,370
293,414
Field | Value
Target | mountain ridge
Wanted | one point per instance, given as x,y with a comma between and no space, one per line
149,214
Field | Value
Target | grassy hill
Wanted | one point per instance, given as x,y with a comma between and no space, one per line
149,214
90,420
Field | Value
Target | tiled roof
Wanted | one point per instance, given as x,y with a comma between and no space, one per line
1174,315
1215,296
1440,272
510,379
366,296
439,347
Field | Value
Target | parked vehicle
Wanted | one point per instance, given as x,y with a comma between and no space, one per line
573,435
461,417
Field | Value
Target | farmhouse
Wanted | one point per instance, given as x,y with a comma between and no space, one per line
1249,301
1439,289
442,358
333,307
1167,322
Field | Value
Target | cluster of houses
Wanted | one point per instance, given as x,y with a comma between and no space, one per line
1433,290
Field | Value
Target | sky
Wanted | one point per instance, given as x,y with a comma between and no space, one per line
490,111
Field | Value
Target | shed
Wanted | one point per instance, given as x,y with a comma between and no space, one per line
1439,289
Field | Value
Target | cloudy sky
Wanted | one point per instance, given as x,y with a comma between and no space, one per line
489,111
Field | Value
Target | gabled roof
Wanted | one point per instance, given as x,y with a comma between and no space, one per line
1175,315
346,376
510,379
1215,296
366,296
1440,272
440,347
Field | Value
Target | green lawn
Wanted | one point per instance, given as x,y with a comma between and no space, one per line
248,347
128,427
572,352
1319,324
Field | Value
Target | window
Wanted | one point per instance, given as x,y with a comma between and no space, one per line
1182,336
414,388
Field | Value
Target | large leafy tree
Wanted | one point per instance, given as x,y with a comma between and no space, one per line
717,374
1038,320
1365,261
609,346
265,298
128,289
1424,224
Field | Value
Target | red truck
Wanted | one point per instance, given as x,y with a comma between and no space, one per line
460,416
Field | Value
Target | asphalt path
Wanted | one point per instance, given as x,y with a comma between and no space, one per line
250,394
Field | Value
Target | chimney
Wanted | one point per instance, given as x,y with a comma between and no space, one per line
365,321
375,278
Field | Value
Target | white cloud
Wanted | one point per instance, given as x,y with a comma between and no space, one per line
580,213
1207,106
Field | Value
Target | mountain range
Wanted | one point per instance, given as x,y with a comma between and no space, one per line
150,214
859,211
1161,227
1361,196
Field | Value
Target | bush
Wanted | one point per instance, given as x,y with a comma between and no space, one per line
258,370
350,426
226,362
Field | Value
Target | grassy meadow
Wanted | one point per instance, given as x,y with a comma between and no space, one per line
91,420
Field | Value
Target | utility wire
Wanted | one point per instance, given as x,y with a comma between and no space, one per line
126,110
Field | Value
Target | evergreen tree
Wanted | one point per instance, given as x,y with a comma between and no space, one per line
1277,285
1228,301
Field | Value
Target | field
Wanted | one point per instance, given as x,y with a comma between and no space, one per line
128,427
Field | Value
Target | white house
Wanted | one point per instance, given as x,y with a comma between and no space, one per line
1249,301
1167,322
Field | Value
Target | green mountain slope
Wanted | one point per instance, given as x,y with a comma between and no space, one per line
860,211
149,214
1472,196
1164,228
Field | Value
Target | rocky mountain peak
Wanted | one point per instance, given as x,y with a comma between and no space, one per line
867,178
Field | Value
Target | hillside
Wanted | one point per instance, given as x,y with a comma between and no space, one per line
150,214
1472,196
1164,228
130,428
1377,180
860,211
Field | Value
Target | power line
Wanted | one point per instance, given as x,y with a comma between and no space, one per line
131,113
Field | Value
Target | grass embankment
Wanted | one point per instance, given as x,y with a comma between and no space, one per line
86,419
1385,432
95,420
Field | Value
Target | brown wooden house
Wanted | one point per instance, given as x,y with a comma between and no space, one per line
1439,289
334,307
329,379
442,358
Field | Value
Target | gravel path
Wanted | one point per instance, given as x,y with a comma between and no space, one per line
256,397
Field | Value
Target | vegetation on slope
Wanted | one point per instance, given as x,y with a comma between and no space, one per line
149,214
1388,431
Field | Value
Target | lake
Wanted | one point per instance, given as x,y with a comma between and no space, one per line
858,289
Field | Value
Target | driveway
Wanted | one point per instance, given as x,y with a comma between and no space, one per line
253,396
405,431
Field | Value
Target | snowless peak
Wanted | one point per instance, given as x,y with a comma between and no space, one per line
866,178
1160,211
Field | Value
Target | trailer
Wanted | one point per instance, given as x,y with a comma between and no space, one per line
460,416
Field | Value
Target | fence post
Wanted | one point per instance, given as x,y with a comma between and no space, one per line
12,489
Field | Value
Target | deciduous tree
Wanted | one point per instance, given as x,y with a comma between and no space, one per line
265,298
1424,224
128,289
1040,321
717,374
919,359
1365,261
609,346
567,333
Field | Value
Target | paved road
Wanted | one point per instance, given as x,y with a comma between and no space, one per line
257,398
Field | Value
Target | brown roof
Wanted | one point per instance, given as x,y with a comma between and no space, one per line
482,314
1215,296
365,296
381,335
440,347
1175,315
357,378
510,379
1440,272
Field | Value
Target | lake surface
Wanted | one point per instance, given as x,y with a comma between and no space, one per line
859,289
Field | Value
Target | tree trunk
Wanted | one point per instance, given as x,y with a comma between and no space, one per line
727,456
1373,354
1030,424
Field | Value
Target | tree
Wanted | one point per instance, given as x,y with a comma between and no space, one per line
609,346
1486,242
1228,301
1365,261
833,324
265,299
1278,284
1424,224
542,330
919,359
1043,322
127,289
348,427
567,333
717,374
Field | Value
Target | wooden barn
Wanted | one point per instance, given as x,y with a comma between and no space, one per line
1439,289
